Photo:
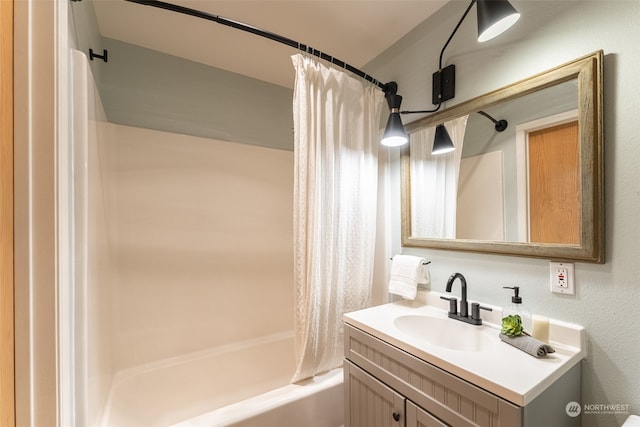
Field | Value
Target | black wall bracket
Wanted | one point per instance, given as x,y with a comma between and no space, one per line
93,55
444,84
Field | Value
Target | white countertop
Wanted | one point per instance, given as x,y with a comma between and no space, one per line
500,369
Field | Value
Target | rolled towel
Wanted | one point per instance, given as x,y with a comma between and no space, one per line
406,272
528,345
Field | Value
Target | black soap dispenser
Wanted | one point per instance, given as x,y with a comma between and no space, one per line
516,307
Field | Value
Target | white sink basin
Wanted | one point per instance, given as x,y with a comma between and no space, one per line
443,332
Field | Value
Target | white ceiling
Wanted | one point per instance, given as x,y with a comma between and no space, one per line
354,31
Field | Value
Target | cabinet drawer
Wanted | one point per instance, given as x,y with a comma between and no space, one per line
449,398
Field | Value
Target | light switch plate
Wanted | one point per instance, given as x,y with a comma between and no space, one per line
561,276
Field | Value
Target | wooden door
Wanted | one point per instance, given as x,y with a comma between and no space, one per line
554,185
7,362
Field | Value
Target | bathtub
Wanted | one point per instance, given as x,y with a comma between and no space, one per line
317,402
243,384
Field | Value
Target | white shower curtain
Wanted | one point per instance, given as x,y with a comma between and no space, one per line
336,122
434,182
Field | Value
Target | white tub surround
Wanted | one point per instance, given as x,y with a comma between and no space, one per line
166,392
498,367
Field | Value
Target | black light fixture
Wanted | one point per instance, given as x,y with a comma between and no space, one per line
442,142
394,134
493,18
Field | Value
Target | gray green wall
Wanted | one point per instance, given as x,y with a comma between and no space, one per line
149,89
144,88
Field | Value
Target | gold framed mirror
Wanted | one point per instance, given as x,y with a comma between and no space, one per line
551,209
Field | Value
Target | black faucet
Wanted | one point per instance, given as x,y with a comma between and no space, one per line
464,307
463,315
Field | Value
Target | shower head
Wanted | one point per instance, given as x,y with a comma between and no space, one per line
500,125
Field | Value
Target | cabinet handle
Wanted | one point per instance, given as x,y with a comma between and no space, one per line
396,416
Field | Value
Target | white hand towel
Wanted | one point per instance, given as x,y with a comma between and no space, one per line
406,272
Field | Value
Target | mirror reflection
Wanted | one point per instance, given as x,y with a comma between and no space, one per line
517,180
526,175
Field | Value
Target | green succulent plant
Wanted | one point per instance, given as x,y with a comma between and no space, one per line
512,325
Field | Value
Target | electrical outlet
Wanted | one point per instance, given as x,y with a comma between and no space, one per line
562,278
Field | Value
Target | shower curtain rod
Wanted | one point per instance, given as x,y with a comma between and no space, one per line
269,35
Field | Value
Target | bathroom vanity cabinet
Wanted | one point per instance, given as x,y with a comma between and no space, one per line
388,386
374,404
380,378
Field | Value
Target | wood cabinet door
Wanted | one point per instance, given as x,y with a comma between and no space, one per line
418,417
370,403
